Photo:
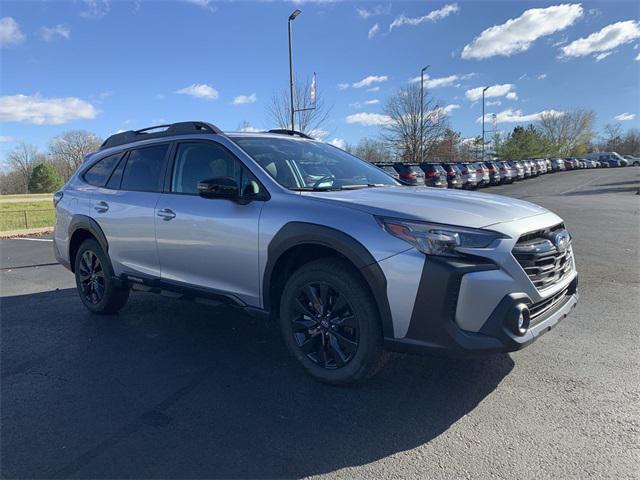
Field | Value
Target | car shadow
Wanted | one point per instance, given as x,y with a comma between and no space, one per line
615,184
173,389
603,191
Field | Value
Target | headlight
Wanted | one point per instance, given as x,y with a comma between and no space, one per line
438,239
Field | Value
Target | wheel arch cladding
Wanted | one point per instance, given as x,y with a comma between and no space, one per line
82,228
299,242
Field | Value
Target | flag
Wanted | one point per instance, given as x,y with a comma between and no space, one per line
494,121
313,90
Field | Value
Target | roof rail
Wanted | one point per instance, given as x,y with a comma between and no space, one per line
180,128
293,133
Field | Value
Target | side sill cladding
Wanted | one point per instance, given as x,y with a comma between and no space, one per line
300,233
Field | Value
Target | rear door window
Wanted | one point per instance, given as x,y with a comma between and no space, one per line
100,172
145,169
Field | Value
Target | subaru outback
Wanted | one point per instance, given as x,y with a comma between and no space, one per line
349,262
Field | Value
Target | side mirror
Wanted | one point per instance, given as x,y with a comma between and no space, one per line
220,187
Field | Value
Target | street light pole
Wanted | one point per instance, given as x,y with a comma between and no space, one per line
422,112
483,90
292,17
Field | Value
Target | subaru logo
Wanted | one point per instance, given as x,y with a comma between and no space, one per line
560,239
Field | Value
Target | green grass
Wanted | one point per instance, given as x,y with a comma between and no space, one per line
28,195
38,214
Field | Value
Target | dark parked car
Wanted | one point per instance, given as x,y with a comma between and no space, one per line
434,175
409,174
389,170
454,177
494,173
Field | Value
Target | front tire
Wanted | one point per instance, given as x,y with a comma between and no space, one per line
330,322
95,280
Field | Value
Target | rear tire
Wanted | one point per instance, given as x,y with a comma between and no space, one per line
95,280
330,322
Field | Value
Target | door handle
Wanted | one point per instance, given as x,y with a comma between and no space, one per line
101,207
166,214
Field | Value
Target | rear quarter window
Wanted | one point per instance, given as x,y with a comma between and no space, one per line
98,174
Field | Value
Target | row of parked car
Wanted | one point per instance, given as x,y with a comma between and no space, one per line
471,175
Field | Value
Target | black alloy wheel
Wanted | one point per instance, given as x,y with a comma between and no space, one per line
324,326
92,278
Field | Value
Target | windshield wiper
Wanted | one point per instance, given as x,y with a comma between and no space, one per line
339,187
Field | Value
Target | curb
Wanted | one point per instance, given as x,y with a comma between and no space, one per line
25,231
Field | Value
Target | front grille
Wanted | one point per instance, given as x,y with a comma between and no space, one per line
544,263
537,310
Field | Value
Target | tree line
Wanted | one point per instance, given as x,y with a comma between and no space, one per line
414,125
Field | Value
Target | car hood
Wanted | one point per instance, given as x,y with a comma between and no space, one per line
454,207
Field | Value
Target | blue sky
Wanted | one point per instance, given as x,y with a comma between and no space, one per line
106,66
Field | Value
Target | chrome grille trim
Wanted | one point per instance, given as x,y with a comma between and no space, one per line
543,262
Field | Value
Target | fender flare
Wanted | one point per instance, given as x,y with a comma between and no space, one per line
83,222
301,233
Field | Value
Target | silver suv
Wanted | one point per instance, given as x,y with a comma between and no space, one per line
347,260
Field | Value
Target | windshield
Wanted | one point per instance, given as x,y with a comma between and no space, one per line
306,165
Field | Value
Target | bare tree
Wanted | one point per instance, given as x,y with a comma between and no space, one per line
68,150
306,121
372,150
23,159
569,133
403,131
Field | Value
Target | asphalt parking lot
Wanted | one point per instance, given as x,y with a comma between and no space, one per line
172,389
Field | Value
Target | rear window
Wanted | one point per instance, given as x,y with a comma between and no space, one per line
143,172
100,172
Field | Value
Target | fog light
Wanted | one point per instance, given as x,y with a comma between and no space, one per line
521,317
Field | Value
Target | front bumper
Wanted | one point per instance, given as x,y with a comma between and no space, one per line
433,328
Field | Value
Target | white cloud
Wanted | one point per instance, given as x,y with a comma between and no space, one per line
200,90
371,79
375,11
373,31
495,103
450,108
6,139
343,86
373,89
10,33
516,116
517,35
638,58
604,40
244,99
339,142
44,111
449,81
369,119
522,77
95,8
372,102
206,4
542,76
432,16
624,117
602,56
511,96
499,90
49,34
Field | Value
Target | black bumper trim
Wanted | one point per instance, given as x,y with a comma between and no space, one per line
433,329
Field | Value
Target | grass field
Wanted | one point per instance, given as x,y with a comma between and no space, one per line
43,196
32,214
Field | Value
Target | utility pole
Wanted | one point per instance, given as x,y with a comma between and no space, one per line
422,112
483,90
292,17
